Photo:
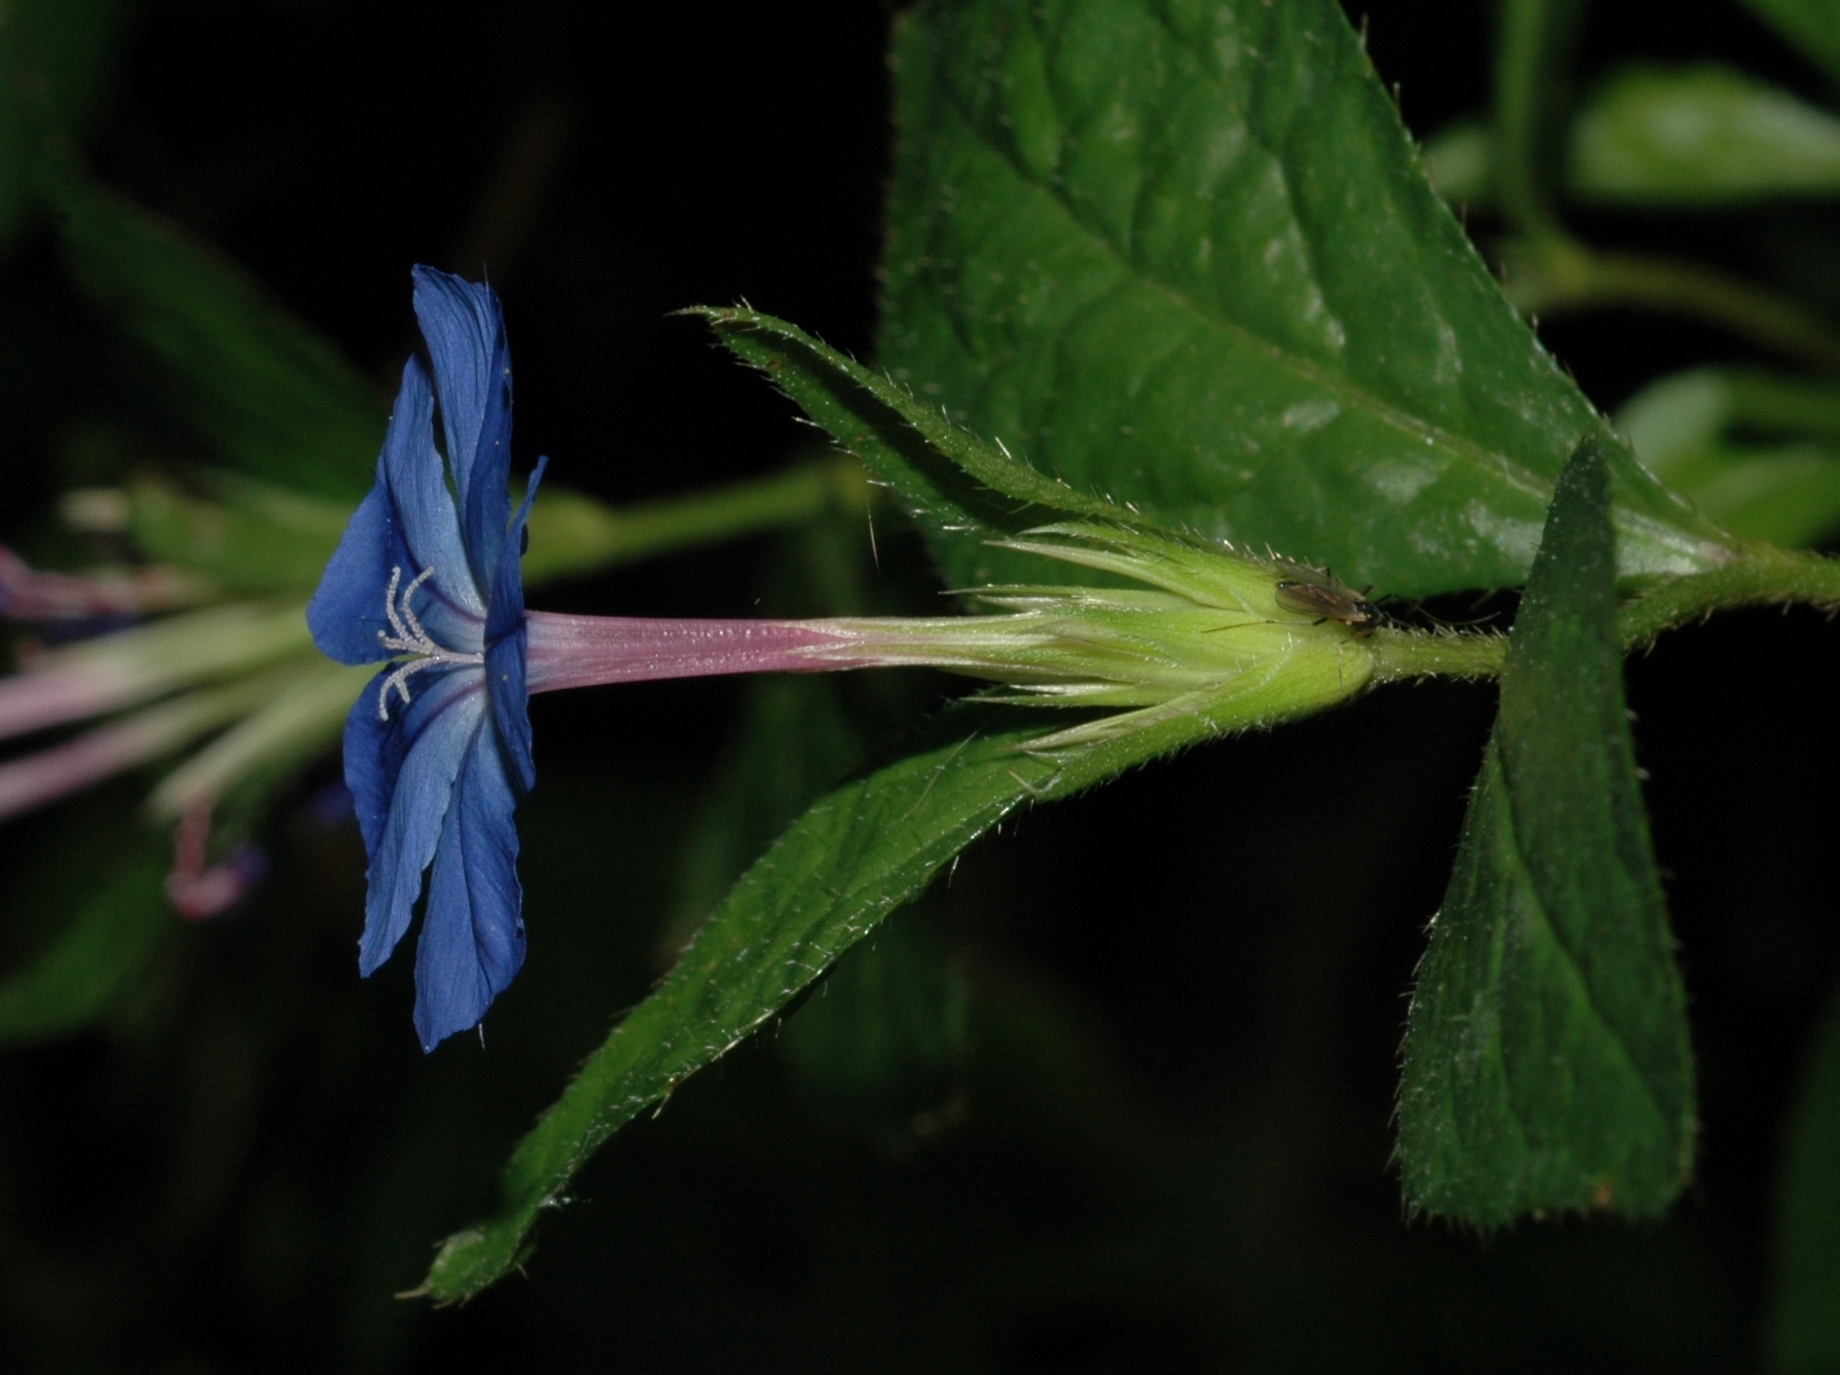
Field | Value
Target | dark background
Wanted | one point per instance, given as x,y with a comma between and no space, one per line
1167,1144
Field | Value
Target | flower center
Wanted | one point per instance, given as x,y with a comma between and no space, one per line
408,637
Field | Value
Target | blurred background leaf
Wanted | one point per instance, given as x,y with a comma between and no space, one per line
271,397
1698,136
1813,26
116,928
56,61
1758,452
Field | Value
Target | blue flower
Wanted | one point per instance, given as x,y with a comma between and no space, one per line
437,749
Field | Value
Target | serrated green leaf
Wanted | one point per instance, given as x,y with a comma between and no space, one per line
940,471
1699,135
86,968
1805,1322
1183,255
1810,25
271,397
1546,1062
854,857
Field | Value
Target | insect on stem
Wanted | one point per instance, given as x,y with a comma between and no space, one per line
1318,592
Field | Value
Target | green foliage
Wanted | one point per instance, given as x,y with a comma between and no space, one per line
571,534
100,955
1700,135
1184,256
945,476
55,60
1813,26
1159,273
1533,49
855,856
254,538
1758,452
1546,1060
271,397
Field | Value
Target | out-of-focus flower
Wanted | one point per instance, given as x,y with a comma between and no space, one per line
30,594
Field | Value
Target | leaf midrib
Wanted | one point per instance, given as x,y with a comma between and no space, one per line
1571,960
1484,458
1340,386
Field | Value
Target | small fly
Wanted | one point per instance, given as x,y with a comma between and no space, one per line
1318,592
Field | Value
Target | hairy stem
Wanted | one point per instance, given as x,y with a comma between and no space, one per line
1763,575
1403,654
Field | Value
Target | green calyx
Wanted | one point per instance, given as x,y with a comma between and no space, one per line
1209,634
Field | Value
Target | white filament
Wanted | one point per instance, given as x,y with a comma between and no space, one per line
408,637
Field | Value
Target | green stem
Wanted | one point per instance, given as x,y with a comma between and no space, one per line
1402,654
571,535
1550,273
1763,575
1532,95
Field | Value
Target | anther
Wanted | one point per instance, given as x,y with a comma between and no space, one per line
408,637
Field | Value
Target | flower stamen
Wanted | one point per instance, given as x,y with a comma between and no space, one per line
408,637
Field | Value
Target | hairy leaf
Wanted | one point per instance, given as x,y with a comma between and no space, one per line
1183,256
941,471
855,856
1546,1060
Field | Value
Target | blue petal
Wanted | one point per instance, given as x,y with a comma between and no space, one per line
346,614
472,942
488,498
506,644
511,705
440,725
374,754
451,604
465,332
407,522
